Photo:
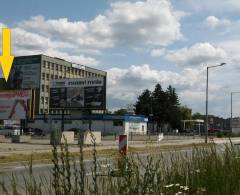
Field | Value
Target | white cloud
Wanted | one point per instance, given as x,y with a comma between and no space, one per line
127,84
158,52
197,54
215,6
153,22
214,22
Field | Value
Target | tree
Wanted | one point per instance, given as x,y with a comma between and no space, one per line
144,103
172,108
198,115
121,111
186,114
159,99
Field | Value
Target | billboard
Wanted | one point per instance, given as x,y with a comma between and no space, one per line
82,93
14,104
24,76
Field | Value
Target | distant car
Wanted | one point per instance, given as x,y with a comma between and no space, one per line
75,130
38,132
10,131
28,131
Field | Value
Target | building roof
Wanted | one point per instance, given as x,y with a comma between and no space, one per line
106,117
19,59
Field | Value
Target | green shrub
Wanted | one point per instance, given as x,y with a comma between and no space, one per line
205,170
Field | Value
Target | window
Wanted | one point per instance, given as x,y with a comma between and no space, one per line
56,76
52,66
44,64
60,77
42,100
60,67
43,87
47,88
52,76
68,69
48,65
43,76
117,123
46,100
56,67
41,111
47,77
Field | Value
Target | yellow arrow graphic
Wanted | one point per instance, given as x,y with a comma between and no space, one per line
6,59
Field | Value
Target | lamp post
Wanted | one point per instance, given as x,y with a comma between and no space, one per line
232,107
206,128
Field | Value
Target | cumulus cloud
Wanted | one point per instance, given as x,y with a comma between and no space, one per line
125,84
197,54
158,52
152,22
128,23
214,22
128,83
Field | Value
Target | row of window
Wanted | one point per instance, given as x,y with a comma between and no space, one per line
62,68
48,76
45,87
44,100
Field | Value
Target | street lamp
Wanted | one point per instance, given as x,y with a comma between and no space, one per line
206,128
232,106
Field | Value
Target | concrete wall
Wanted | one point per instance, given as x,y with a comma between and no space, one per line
236,130
68,136
88,138
136,127
104,126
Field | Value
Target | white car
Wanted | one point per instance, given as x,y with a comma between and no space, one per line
10,131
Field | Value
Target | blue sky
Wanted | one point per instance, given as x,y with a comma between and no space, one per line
139,43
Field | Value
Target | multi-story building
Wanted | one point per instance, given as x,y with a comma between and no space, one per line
36,72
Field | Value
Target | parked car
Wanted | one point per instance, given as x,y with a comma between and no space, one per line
38,132
10,131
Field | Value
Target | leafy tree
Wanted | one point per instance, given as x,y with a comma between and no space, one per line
198,115
121,111
186,114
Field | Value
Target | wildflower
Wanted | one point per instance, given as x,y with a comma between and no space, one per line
184,188
168,186
177,184
203,189
198,171
178,193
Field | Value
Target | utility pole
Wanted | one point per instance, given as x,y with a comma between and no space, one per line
206,122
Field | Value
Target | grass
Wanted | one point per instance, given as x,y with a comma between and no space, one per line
204,170
43,157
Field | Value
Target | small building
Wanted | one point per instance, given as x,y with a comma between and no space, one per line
107,124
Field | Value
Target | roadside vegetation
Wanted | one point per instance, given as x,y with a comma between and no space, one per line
203,170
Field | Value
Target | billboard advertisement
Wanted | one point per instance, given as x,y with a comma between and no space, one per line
24,76
14,104
83,93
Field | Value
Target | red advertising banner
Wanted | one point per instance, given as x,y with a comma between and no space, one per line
13,104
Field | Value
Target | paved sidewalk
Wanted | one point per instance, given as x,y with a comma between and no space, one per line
43,146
